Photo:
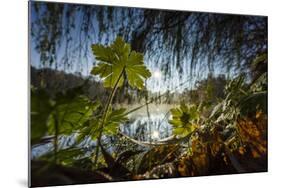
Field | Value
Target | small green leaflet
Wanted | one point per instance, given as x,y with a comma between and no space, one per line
117,60
184,119
112,121
72,115
41,107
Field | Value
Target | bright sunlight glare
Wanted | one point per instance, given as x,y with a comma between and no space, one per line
155,135
157,74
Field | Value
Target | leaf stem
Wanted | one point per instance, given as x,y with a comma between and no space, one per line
56,138
105,113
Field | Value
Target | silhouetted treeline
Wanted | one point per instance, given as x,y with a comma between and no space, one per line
208,90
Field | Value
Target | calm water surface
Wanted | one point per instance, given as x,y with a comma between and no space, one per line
141,126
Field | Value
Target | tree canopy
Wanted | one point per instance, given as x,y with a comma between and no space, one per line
170,40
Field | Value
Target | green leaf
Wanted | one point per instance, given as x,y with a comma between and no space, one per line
65,156
113,120
116,61
136,70
251,104
184,119
120,47
41,107
71,114
103,53
89,129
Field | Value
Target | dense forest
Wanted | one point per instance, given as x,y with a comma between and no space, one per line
122,94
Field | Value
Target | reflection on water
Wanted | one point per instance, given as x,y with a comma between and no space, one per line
64,142
146,128
149,124
140,127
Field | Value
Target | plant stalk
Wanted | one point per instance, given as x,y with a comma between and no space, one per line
56,139
108,104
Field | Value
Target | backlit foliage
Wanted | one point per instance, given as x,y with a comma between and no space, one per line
118,61
220,136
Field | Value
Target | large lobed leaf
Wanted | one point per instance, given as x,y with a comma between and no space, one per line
118,60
